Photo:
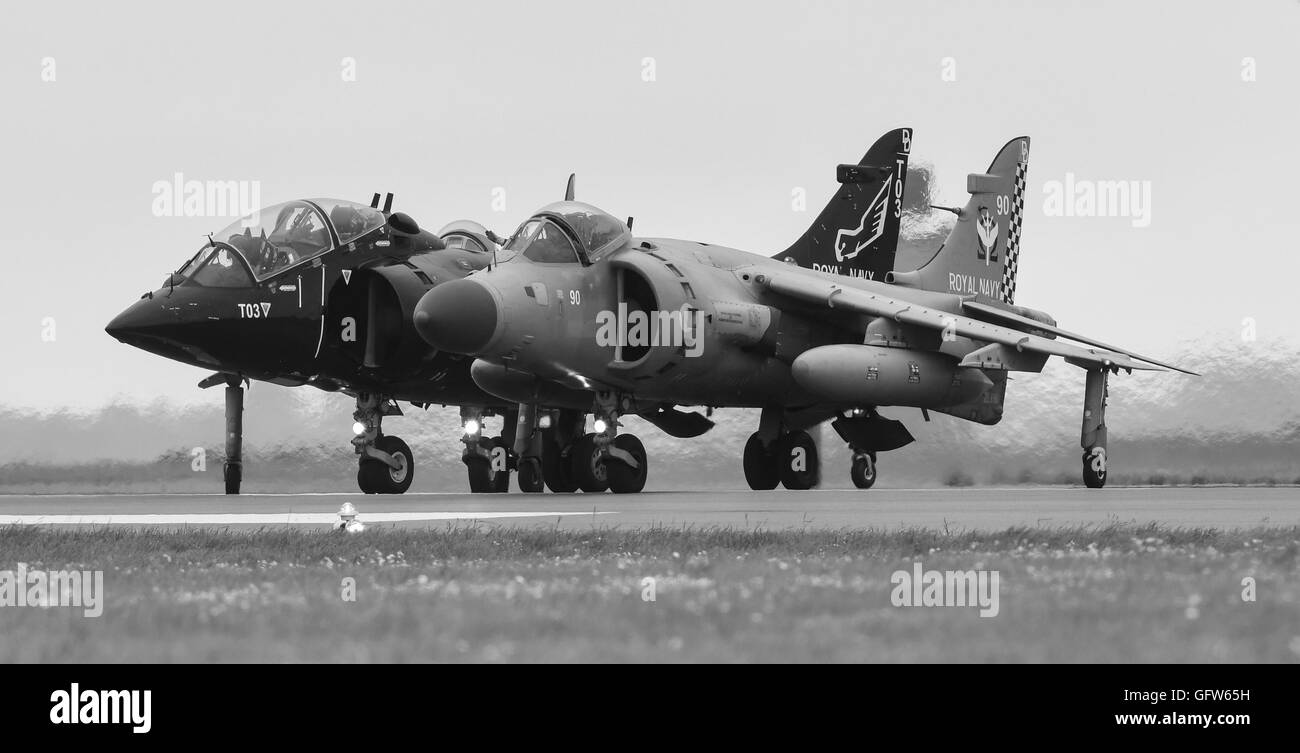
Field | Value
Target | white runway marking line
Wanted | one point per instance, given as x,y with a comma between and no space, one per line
292,518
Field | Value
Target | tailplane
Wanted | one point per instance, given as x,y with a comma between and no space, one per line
857,233
981,255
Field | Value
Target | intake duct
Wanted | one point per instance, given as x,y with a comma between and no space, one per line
368,318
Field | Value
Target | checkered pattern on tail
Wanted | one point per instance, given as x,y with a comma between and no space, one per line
1010,268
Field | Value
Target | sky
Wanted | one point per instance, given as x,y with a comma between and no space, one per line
698,118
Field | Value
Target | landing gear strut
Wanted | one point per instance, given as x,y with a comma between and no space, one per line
557,441
385,465
233,469
488,460
867,432
1093,435
529,448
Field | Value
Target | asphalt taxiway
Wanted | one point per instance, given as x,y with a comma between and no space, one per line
955,509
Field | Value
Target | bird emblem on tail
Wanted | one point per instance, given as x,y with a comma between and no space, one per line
986,231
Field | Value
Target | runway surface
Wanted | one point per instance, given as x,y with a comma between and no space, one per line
957,509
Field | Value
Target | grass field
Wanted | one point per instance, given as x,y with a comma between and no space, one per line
479,593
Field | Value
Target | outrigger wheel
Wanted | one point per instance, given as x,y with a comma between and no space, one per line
376,477
863,471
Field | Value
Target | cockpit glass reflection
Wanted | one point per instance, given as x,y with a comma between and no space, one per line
278,237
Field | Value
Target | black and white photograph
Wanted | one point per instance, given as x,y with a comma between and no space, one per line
575,332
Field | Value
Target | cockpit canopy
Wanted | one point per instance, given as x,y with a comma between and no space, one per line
278,237
567,232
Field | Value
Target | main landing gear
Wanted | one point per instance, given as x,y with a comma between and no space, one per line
385,464
597,461
774,456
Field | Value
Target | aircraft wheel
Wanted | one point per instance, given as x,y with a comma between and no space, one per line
500,466
760,472
863,471
531,479
588,466
233,474
363,477
1094,468
376,477
489,475
799,463
557,470
624,479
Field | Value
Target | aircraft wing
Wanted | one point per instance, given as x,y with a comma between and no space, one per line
985,311
827,293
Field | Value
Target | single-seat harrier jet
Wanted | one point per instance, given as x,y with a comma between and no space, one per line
581,314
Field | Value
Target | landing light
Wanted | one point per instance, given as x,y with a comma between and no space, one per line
544,422
358,428
471,427
599,426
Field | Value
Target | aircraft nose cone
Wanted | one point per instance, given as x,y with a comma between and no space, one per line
459,316
136,320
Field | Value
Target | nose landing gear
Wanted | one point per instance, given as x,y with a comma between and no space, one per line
385,464
573,459
619,459
233,469
488,460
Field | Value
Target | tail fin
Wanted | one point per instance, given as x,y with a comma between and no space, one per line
857,233
982,253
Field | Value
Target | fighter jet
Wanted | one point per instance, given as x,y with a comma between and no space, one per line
582,314
321,292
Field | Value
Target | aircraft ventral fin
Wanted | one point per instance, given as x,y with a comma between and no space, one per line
829,294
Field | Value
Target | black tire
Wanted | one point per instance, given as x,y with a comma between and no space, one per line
587,465
761,473
363,476
797,456
479,471
556,469
531,480
376,477
863,471
623,478
1094,468
484,477
233,475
